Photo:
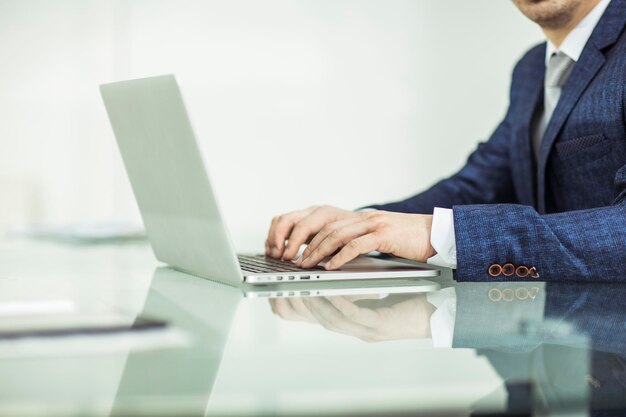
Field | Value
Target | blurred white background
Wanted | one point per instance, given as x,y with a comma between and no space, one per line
295,102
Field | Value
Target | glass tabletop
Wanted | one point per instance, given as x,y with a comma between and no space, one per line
440,348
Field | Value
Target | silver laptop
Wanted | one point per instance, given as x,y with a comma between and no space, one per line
176,200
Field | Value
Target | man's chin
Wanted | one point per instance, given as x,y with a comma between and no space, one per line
549,14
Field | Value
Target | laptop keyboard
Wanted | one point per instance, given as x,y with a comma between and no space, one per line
262,264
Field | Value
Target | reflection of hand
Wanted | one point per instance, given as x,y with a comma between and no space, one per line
392,318
292,309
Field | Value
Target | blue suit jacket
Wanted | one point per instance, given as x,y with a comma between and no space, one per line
563,213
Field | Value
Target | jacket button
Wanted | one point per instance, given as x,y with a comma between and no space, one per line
521,271
508,270
495,270
533,272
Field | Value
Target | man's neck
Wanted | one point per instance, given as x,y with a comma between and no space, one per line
557,35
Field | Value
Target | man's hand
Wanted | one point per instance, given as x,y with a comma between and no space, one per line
399,234
299,227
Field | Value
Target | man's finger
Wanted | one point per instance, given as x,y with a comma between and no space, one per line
364,244
336,240
281,228
304,229
330,228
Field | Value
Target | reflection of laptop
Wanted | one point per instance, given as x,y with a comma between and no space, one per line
179,380
176,200
193,381
340,288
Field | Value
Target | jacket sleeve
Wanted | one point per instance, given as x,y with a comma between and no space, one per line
581,245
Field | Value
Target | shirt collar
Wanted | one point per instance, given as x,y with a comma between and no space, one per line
575,41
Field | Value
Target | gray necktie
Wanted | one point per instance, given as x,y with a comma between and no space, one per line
557,71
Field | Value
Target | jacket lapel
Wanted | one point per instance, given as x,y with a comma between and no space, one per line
526,168
591,60
584,71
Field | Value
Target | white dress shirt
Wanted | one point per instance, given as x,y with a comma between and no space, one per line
442,233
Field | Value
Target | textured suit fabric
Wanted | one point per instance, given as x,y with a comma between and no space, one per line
563,212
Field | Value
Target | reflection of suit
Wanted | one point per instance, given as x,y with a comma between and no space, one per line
594,311
561,365
559,211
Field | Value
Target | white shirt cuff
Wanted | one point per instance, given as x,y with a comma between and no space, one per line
442,320
442,238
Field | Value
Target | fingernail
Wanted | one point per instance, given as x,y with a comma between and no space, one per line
274,252
304,261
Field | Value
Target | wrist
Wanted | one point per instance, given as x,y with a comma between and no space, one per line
424,247
428,224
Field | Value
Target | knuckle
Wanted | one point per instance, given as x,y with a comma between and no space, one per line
378,217
381,229
316,209
334,235
381,223
368,214
353,245
326,209
300,231
326,230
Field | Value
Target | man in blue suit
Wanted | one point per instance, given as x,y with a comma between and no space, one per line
543,198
